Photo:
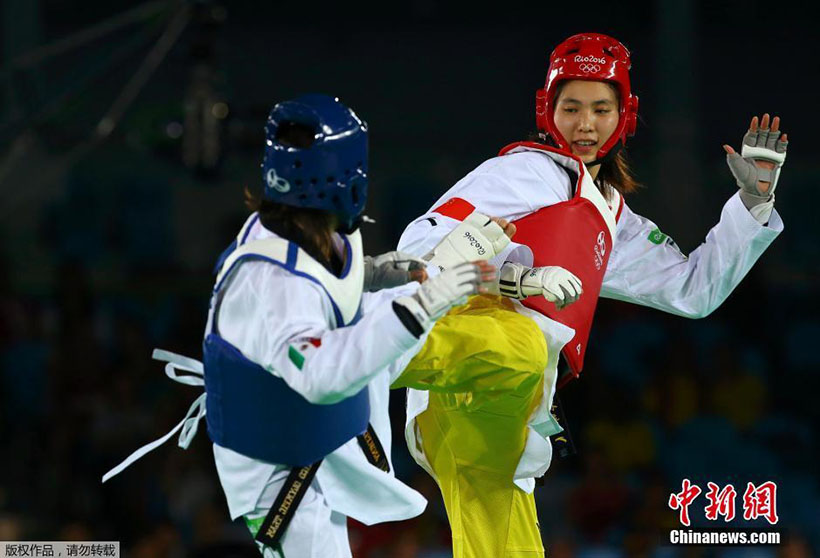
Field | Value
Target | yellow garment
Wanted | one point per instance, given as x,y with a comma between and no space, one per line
484,366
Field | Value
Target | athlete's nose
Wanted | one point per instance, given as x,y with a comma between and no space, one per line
584,122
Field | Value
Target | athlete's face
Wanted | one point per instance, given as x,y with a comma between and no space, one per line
586,114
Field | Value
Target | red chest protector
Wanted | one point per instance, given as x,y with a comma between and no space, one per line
576,235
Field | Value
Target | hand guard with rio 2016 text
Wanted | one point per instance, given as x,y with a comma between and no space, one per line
475,238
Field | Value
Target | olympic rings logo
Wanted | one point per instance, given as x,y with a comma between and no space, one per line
277,182
589,68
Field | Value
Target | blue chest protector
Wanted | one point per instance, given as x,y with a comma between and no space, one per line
257,414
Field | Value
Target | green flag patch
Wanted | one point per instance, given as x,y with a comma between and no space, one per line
296,357
656,237
301,349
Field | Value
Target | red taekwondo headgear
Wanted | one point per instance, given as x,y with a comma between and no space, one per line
593,57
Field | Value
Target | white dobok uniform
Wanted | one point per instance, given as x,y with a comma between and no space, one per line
264,312
642,269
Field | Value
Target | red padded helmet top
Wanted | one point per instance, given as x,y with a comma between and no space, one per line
593,57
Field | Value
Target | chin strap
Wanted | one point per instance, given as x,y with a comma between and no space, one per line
348,229
610,155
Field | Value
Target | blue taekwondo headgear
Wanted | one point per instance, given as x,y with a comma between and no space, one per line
331,173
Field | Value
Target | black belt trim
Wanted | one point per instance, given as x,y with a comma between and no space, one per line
286,503
562,441
298,481
373,450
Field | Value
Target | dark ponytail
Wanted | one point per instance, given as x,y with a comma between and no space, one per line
311,229
616,173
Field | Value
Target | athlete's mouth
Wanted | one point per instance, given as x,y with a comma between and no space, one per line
584,146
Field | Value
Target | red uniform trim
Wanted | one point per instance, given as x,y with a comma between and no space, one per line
456,208
540,146
535,145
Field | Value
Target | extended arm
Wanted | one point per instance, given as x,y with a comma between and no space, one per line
647,268
281,322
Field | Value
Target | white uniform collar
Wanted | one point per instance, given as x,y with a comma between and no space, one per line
345,291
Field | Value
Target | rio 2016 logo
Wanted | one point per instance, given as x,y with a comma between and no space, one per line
592,59
475,244
589,64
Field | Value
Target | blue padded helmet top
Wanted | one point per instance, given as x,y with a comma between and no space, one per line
328,174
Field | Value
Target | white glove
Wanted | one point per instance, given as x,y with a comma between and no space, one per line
440,293
555,283
389,270
475,238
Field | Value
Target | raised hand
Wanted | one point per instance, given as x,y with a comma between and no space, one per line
757,167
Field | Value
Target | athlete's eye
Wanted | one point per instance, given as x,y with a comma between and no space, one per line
570,109
603,111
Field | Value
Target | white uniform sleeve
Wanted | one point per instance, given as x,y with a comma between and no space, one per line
385,297
647,268
509,187
280,321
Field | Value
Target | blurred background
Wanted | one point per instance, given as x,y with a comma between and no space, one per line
128,131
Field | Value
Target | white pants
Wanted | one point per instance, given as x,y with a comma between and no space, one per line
315,531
